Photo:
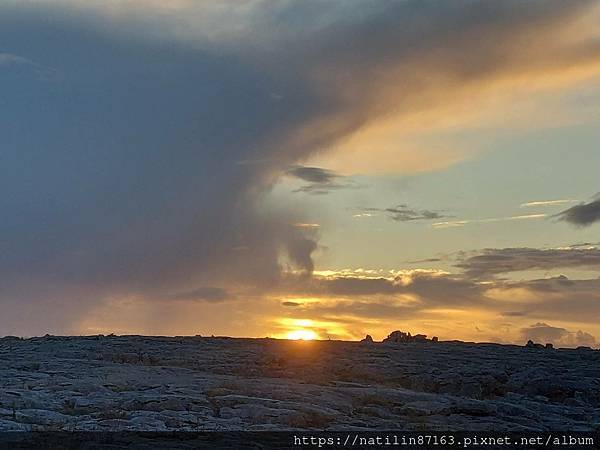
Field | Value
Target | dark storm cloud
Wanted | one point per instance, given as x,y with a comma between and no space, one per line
121,175
492,262
583,215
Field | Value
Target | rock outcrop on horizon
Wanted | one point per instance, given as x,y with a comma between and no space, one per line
114,383
401,336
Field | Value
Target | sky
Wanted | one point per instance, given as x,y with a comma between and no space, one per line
300,168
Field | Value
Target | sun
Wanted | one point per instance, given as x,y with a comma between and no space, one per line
302,335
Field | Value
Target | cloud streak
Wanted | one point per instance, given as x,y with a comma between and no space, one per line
7,59
545,203
461,223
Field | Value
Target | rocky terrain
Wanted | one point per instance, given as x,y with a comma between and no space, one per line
191,383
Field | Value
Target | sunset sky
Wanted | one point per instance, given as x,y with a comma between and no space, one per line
301,168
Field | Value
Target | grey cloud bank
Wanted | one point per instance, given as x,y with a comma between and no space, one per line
492,262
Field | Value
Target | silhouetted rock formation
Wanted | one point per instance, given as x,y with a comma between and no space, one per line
368,339
531,344
401,336
398,336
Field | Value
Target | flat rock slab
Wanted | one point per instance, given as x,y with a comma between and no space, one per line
117,383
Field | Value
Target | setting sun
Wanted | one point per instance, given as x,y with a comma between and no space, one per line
302,335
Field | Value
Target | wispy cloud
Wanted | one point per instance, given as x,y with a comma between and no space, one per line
41,72
460,223
8,59
546,203
307,225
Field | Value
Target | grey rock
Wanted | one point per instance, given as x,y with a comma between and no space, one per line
9,425
41,417
209,384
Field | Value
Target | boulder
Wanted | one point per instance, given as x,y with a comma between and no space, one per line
368,339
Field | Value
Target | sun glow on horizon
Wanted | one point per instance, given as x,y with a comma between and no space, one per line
302,335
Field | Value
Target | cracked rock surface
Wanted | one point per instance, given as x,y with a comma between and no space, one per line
115,383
